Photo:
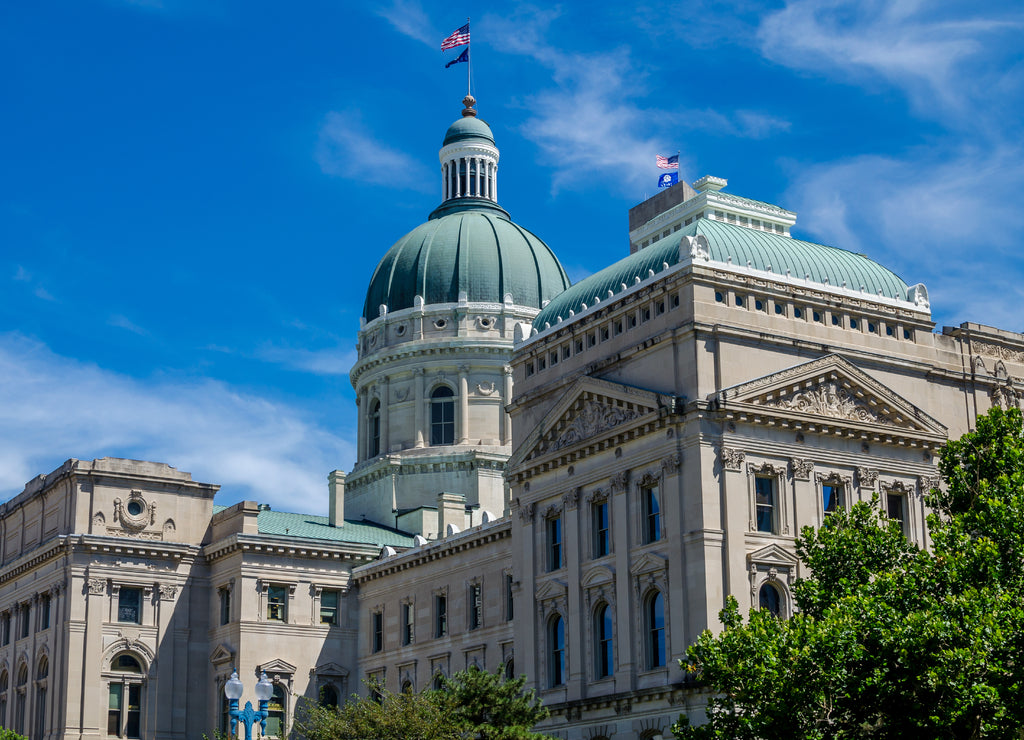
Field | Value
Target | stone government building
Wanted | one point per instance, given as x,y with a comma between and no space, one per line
558,480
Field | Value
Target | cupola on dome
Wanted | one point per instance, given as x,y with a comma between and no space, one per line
469,246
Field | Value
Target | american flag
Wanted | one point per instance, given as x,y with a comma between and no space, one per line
459,38
668,163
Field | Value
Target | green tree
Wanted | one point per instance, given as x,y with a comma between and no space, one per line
6,734
472,704
890,641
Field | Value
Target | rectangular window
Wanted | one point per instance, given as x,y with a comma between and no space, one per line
114,696
652,514
5,629
440,615
277,603
509,611
554,526
225,605
133,714
476,606
24,617
895,507
600,523
378,632
44,612
764,494
831,497
329,607
408,622
129,605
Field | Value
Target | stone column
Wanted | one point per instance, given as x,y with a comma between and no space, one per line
463,404
418,408
361,425
506,419
385,412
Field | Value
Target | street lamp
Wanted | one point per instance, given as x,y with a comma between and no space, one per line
233,691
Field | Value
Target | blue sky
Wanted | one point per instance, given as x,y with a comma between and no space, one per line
194,193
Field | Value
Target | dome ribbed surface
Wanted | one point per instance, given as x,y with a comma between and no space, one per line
478,250
823,265
468,127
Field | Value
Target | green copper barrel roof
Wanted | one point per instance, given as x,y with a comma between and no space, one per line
763,251
465,246
309,526
468,127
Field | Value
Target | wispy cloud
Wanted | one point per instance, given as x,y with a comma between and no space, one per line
923,212
53,407
123,322
330,361
346,149
409,18
934,52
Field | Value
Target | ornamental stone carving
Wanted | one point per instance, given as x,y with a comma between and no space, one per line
135,513
802,468
592,419
486,389
867,477
620,481
97,586
1005,396
168,591
571,498
732,459
828,399
527,512
670,464
996,350
927,482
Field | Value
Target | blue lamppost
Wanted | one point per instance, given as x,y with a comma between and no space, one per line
233,691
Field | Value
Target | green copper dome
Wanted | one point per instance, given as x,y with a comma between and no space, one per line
469,247
468,128
760,250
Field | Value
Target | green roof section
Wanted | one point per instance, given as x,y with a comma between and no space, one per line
468,128
760,250
308,526
471,247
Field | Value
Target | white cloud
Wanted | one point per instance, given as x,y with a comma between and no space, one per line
935,52
331,361
123,322
347,150
409,19
922,213
53,408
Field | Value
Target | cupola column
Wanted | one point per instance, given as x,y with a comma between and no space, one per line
360,425
385,412
479,177
444,181
418,406
506,420
463,404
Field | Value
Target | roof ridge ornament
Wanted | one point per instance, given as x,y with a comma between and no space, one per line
469,101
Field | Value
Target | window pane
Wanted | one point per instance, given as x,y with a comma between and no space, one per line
769,599
129,605
656,631
114,709
764,490
277,603
329,607
133,717
600,529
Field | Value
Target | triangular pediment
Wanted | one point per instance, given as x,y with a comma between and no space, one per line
552,590
773,555
331,669
829,391
590,410
221,654
649,562
277,666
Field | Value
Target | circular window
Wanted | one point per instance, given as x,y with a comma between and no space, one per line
400,330
440,323
134,508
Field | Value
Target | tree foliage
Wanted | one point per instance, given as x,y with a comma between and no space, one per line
473,704
890,641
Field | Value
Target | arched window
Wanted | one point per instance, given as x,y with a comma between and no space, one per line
42,672
510,669
442,416
277,713
654,627
438,683
556,651
4,686
603,641
407,686
124,697
375,428
768,598
19,700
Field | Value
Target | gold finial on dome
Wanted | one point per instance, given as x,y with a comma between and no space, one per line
469,101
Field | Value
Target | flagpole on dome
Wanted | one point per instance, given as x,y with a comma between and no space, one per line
469,61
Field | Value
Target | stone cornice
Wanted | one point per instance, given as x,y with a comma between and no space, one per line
292,547
470,539
398,464
460,349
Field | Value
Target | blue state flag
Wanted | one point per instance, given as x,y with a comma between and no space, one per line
463,57
668,179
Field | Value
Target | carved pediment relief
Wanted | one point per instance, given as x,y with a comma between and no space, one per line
830,390
330,669
649,562
590,410
277,666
